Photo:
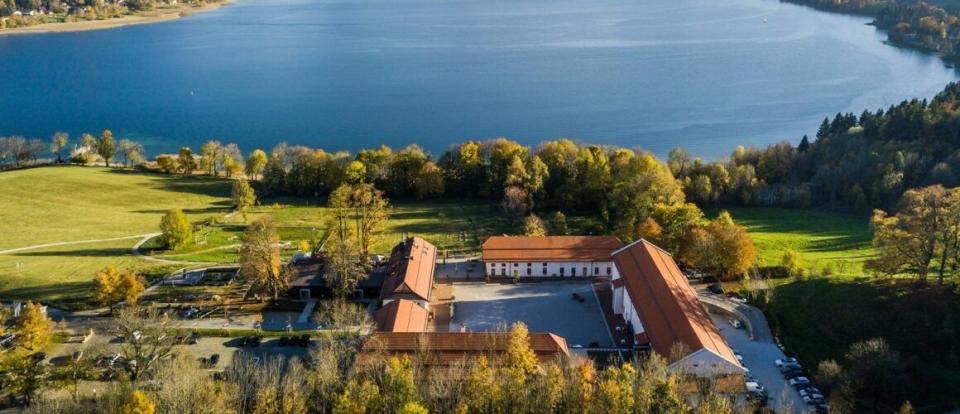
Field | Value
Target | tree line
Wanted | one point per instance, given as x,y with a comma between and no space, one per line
334,379
16,13
855,162
917,24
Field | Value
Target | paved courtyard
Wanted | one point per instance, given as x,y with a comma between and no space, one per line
543,306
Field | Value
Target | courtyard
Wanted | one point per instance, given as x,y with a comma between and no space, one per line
570,310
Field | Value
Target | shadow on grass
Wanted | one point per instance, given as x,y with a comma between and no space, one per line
107,252
210,186
64,295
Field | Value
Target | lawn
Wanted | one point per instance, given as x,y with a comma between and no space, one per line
821,238
69,204
57,204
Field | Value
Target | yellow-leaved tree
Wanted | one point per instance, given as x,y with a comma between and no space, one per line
138,403
34,328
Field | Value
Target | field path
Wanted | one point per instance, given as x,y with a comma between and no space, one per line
42,246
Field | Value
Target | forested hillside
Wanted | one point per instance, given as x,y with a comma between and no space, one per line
860,162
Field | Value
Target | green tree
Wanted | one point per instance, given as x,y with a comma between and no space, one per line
243,197
429,182
558,224
176,229
359,397
791,262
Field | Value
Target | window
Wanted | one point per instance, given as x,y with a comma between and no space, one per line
585,272
596,270
529,271
573,271
516,264
503,265
544,271
544,263
609,271
561,271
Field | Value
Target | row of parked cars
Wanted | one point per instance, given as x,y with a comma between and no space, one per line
797,378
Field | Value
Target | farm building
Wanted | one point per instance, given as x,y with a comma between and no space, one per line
451,348
401,316
662,309
409,273
550,256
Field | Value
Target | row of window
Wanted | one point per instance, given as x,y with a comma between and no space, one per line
562,270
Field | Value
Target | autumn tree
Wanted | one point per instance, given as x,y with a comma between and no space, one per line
534,226
722,247
106,147
112,286
359,397
34,328
176,229
397,386
260,257
147,339
130,152
58,143
211,156
924,230
185,162
138,403
256,162
242,196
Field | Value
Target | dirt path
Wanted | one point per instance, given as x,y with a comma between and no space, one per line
43,246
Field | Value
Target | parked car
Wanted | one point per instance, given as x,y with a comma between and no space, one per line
798,381
793,373
736,323
787,367
785,361
715,289
108,360
6,341
813,399
38,357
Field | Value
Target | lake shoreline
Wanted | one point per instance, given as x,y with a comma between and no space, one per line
148,17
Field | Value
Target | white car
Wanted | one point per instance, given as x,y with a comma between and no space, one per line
785,361
799,381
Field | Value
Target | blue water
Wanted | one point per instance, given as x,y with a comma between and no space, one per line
654,74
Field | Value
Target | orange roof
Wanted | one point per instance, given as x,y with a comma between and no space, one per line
449,347
667,305
550,248
410,270
401,316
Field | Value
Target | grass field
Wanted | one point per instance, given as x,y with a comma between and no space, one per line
56,204
69,204
821,238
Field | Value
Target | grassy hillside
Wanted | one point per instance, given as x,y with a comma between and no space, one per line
820,319
56,204
68,204
821,238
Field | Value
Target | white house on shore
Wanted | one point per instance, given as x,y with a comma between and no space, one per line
550,256
663,311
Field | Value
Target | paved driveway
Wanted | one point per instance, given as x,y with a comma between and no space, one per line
543,306
758,356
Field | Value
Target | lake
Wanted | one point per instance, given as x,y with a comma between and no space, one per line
705,75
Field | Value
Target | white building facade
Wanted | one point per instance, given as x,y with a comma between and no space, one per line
550,256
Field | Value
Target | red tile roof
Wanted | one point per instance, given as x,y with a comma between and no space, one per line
450,347
550,248
667,305
410,270
401,316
